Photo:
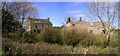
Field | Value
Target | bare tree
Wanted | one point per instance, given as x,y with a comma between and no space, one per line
21,10
105,12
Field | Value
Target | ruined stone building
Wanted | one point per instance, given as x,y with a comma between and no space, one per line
80,26
37,25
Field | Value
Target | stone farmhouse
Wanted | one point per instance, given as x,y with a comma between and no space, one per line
37,25
95,28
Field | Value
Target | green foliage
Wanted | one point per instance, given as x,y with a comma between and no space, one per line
39,37
115,41
72,37
85,43
9,24
17,48
7,21
57,41
29,37
50,35
7,46
61,42
118,42
86,40
100,40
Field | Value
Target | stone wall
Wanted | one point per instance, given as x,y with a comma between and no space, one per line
28,26
97,27
36,25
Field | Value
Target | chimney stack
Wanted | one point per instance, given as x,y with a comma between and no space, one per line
48,19
68,20
80,19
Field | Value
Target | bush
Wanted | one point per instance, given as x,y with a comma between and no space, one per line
100,40
39,37
50,35
86,40
17,48
29,37
114,41
74,38
17,35
11,47
70,38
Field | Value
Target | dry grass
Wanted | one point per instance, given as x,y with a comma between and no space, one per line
58,42
45,48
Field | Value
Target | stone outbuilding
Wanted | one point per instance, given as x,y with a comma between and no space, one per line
37,25
95,28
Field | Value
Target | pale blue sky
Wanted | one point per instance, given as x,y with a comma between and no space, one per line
59,11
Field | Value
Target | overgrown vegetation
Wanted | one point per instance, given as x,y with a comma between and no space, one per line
52,40
12,47
9,24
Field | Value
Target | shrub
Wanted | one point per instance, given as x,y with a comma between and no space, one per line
100,40
114,41
39,37
87,40
11,47
70,38
50,35
17,48
17,35
73,37
8,46
29,37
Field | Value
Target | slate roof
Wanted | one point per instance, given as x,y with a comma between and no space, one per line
41,21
